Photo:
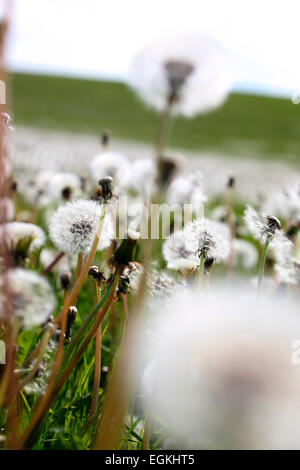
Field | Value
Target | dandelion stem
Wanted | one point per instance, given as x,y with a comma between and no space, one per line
119,390
161,139
261,268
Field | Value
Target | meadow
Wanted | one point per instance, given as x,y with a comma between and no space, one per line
131,341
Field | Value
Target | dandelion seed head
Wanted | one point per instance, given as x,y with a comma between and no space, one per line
177,255
188,72
187,190
111,164
207,238
288,270
218,371
266,227
142,176
22,238
73,227
30,296
64,186
66,263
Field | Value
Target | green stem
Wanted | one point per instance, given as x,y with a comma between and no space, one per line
261,268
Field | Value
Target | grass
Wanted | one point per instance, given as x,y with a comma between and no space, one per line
245,124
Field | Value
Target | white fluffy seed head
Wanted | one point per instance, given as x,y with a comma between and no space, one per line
177,255
207,237
187,190
191,70
73,227
264,228
219,371
22,236
111,164
64,186
29,295
142,176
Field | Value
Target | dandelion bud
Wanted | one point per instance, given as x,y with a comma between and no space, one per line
72,313
93,271
65,280
105,137
106,186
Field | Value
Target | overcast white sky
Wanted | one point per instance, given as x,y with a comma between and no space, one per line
97,38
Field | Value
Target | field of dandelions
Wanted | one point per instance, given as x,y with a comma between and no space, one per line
187,340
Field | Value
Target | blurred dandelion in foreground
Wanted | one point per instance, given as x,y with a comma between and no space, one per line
189,73
221,375
73,227
30,296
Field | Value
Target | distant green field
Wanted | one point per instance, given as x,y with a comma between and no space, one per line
251,124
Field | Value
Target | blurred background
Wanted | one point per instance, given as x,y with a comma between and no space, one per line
70,63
